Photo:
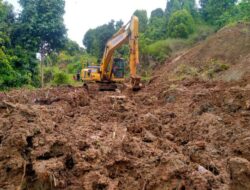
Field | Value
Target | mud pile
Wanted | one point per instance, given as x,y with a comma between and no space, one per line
188,135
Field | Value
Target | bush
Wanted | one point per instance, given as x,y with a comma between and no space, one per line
201,33
181,24
48,74
159,50
73,68
162,49
214,67
184,71
61,78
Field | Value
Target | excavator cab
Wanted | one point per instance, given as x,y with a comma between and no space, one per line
90,74
118,69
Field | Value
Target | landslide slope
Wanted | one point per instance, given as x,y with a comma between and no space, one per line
222,56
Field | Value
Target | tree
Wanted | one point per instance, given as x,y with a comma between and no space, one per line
181,24
176,5
13,71
157,13
7,18
156,28
41,26
239,12
95,39
190,5
172,6
143,19
211,10
71,47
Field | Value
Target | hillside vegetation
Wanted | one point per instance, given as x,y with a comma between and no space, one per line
224,56
164,32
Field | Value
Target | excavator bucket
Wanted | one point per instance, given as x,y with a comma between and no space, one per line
136,83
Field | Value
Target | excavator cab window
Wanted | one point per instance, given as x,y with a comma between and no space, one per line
118,67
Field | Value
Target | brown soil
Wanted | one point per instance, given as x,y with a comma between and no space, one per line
193,136
183,135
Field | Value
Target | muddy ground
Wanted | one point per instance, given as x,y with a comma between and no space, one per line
169,136
189,134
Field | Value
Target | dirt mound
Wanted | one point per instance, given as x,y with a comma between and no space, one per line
225,55
179,137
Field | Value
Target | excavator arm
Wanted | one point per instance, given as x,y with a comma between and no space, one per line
124,35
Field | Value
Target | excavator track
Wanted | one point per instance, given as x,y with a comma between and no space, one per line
107,86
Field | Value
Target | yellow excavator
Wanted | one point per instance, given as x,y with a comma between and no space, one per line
112,70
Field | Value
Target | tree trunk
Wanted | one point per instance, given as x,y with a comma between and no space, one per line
42,70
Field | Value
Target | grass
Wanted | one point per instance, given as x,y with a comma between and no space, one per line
214,67
201,33
208,70
163,49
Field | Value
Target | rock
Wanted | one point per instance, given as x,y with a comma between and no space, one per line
150,118
169,136
150,100
242,148
239,169
202,170
248,104
170,99
149,137
200,144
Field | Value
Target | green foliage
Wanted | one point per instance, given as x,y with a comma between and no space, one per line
17,65
201,33
211,10
74,63
95,39
172,6
156,29
65,62
177,5
143,18
71,47
206,70
49,74
184,71
41,26
61,78
162,49
240,12
56,76
9,75
215,66
157,13
181,24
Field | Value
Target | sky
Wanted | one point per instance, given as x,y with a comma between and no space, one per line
81,15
